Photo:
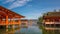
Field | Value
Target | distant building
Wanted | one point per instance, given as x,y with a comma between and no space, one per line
28,22
32,22
24,22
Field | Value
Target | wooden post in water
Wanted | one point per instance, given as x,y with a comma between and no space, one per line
19,22
27,23
6,21
54,23
12,23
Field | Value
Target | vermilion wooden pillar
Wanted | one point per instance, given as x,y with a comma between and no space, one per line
26,22
7,21
13,23
19,21
30,22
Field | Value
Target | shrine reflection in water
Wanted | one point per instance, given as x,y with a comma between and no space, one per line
51,30
31,30
23,30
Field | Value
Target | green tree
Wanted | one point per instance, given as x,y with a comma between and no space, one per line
40,20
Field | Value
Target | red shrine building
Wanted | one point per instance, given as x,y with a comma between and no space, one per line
51,19
8,17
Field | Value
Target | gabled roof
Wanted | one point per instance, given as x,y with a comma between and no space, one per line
52,15
5,11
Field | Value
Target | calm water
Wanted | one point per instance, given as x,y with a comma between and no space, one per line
31,30
28,30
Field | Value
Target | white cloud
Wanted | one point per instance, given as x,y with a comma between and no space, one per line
16,3
29,6
7,1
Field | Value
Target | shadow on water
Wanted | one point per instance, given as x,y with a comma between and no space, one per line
2,27
8,31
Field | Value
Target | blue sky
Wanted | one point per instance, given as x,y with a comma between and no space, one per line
31,9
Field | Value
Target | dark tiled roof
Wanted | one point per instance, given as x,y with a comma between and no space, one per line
52,14
9,12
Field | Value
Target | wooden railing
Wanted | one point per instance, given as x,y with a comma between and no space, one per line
52,22
9,23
